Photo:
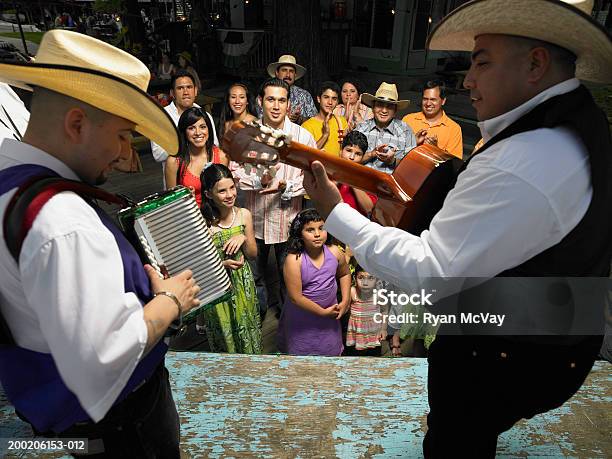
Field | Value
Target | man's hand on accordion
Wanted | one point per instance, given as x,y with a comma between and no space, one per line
234,264
173,298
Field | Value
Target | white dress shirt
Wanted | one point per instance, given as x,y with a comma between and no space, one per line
273,213
14,116
513,201
67,296
158,152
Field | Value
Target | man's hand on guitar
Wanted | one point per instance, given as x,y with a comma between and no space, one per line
323,192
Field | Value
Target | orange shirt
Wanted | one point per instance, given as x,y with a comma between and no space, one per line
447,131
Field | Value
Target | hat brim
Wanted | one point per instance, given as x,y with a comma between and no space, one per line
552,21
299,70
103,91
369,99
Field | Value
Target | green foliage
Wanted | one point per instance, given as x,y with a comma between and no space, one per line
34,37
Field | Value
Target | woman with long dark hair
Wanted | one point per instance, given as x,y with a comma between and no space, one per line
197,151
238,105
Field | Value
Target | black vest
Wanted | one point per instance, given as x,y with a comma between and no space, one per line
584,252
587,249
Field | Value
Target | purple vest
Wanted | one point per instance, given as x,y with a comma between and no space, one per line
30,379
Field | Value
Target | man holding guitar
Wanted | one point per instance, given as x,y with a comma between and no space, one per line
533,202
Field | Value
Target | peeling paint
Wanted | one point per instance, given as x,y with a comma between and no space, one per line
282,406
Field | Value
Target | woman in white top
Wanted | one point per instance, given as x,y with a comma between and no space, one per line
165,69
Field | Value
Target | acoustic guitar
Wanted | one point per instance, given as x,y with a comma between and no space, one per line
407,199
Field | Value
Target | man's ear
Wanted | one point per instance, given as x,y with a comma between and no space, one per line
75,125
539,63
443,101
319,100
195,91
260,101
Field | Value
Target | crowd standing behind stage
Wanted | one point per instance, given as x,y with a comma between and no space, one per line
362,128
350,123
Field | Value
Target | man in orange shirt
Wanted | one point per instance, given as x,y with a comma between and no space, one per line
432,125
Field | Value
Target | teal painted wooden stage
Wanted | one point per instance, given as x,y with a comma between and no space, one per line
284,406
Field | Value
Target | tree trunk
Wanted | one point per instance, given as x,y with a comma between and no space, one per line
298,32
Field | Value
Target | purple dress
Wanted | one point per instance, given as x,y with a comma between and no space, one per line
303,333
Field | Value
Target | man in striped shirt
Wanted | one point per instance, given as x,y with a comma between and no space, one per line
273,201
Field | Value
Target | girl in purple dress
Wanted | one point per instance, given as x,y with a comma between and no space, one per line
310,324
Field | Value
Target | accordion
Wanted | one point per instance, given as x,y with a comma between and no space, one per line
173,236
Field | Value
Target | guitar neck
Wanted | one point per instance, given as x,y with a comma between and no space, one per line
342,170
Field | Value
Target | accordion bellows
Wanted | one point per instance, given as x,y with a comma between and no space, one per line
174,236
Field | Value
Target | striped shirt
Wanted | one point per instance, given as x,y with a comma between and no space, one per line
397,134
272,213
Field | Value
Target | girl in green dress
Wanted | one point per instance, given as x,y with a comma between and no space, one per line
232,326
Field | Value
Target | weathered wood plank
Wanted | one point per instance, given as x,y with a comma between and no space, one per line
283,406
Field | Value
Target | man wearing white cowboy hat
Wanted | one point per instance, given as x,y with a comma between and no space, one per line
301,104
82,353
533,202
389,139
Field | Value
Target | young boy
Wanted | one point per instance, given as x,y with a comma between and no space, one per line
354,146
327,128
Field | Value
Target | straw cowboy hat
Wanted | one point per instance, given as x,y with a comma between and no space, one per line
286,59
567,24
386,92
185,55
99,74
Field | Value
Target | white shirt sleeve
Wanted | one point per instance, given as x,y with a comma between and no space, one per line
158,153
490,222
73,271
214,129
